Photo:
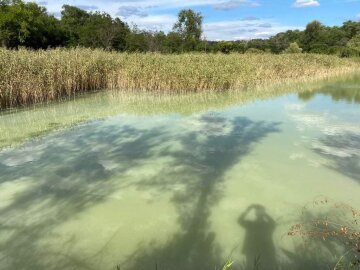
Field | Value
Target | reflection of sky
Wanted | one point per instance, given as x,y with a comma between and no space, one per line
331,121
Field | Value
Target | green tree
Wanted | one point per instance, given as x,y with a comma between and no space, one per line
101,31
281,41
189,27
72,20
354,43
313,36
351,28
173,43
259,44
95,30
137,41
226,46
29,25
293,48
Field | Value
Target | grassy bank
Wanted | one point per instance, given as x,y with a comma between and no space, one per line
38,76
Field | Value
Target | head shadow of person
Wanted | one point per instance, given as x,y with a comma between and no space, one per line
258,247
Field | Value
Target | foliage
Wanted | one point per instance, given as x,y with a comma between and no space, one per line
189,27
254,51
340,226
293,48
354,43
93,30
29,25
225,46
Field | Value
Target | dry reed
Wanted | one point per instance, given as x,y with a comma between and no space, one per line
37,76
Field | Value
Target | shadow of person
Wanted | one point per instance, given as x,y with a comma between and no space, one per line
258,247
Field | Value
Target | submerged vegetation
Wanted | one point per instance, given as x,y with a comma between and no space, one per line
39,76
337,228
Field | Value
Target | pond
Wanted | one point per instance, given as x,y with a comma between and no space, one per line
178,182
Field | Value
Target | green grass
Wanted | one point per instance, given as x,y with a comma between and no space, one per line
37,76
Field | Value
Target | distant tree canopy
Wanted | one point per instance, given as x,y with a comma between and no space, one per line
29,25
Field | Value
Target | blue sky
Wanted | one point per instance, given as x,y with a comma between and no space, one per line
223,19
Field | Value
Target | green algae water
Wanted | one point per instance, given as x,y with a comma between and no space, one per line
179,182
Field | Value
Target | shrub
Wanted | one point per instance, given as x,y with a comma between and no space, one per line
293,48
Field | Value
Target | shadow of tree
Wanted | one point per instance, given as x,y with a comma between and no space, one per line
64,174
343,151
73,170
206,156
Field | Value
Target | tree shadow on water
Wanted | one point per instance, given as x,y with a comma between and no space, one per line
207,154
343,152
258,247
67,173
63,175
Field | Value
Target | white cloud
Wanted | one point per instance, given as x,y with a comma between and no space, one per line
156,15
233,4
127,11
153,22
306,3
244,29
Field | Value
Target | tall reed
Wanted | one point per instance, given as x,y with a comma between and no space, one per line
38,76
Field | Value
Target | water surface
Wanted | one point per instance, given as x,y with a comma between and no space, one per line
149,185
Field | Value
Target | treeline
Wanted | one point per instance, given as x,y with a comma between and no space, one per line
29,25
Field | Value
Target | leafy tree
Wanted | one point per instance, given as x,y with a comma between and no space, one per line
101,31
225,46
173,43
313,35
95,30
354,43
281,41
351,28
156,41
137,41
259,44
72,20
189,27
29,25
293,48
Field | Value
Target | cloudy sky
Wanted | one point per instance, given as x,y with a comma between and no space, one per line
223,19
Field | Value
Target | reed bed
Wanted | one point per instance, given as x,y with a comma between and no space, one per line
39,76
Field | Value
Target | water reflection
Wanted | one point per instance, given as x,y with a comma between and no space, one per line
348,91
258,246
343,151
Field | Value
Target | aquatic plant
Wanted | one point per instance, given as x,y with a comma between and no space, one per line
339,227
38,76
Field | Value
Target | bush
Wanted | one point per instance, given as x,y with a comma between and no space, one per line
255,51
320,49
293,48
348,52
